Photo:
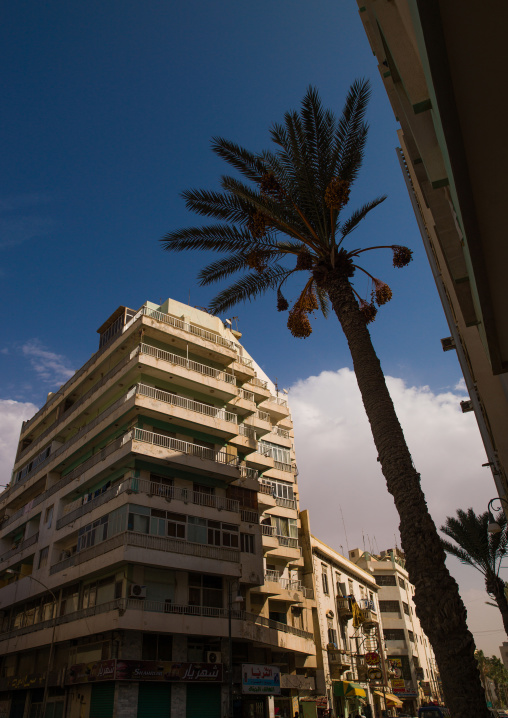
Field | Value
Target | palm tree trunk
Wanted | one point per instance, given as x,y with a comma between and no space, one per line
495,586
438,604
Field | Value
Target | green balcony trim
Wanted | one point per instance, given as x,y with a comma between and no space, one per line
387,74
422,106
440,183
418,161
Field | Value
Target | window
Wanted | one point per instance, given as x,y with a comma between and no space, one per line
156,647
161,485
247,497
176,524
332,636
247,543
405,606
278,453
411,636
285,527
385,580
280,489
93,533
205,590
48,516
43,557
394,634
390,607
324,577
402,583
222,534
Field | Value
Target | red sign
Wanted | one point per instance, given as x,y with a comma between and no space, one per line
372,659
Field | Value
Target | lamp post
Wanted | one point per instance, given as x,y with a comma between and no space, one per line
238,600
494,527
51,645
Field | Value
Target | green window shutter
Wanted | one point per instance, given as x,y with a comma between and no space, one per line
154,700
103,700
203,701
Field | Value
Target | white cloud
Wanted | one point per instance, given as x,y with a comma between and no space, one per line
338,468
12,413
50,367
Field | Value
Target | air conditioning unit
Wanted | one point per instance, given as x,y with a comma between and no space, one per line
349,676
448,344
137,591
213,657
466,406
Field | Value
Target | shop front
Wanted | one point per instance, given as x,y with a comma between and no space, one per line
386,703
349,698
260,687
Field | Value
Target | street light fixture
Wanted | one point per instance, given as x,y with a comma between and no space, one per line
13,572
494,527
238,600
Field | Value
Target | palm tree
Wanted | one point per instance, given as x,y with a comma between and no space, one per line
476,547
291,209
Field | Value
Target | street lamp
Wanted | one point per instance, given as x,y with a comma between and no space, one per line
494,527
11,571
238,600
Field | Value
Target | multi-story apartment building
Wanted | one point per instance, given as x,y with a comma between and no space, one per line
149,555
443,94
347,632
409,654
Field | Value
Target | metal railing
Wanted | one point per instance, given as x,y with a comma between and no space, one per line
280,466
267,530
285,503
185,326
188,364
145,541
250,517
259,382
247,395
281,432
184,403
288,541
247,473
184,447
245,361
276,625
163,607
279,400
247,431
265,489
271,575
20,547
263,416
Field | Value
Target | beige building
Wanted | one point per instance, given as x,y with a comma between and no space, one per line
442,66
149,549
415,680
347,628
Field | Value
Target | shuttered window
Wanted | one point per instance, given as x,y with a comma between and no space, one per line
154,700
203,701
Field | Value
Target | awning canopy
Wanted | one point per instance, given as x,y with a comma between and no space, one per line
391,700
347,689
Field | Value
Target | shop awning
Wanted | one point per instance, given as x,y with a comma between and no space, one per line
392,701
347,689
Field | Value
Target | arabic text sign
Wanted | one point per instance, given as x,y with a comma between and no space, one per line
160,671
260,679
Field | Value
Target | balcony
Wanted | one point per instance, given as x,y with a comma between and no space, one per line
148,542
260,421
344,608
276,407
190,456
182,409
288,584
133,485
259,388
247,473
191,373
21,546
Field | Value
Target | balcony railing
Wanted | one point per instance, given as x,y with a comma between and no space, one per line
280,466
185,326
188,364
250,517
288,584
281,432
145,541
184,403
247,395
247,431
151,488
259,382
278,400
148,606
247,473
263,416
245,361
276,625
265,489
288,541
267,530
285,503
20,547
184,447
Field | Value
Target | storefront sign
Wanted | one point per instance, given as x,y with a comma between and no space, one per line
298,683
259,679
160,671
425,686
375,674
31,680
372,659
398,684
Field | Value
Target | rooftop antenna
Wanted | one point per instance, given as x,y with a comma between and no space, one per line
363,537
276,386
345,532
377,546
236,322
189,297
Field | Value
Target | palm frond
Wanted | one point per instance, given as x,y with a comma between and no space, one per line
218,205
248,288
359,214
459,553
351,132
216,237
248,163
222,268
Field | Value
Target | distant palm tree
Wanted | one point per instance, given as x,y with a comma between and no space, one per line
476,547
291,209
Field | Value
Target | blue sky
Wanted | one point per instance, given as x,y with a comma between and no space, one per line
108,112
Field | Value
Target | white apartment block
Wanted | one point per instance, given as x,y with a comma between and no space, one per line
407,647
150,564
